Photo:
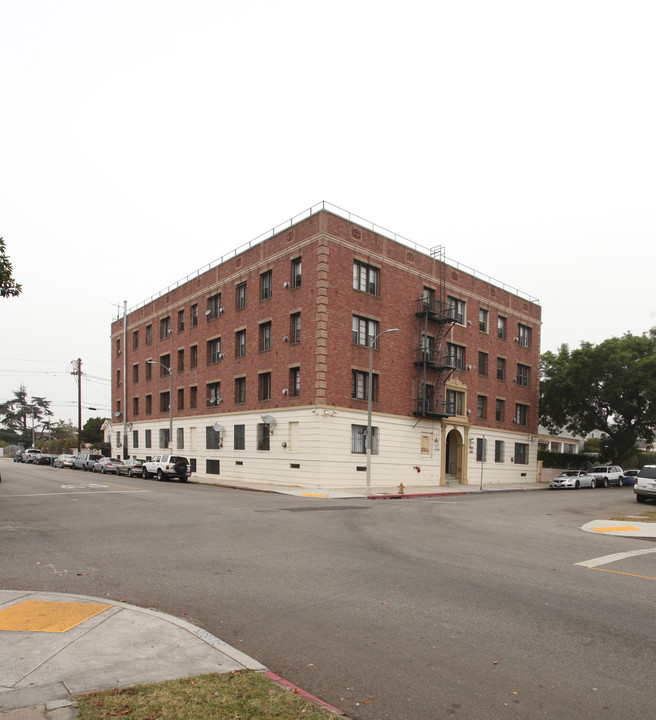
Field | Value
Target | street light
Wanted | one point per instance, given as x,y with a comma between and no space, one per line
170,372
372,342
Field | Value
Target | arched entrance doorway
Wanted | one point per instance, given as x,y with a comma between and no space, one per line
453,458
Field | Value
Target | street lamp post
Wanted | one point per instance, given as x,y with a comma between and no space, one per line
169,370
372,342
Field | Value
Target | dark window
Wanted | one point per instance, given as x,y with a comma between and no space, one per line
214,308
266,285
180,320
524,335
456,309
455,356
180,398
214,353
265,386
165,327
263,435
521,414
135,406
501,369
149,334
135,340
481,448
481,407
193,397
179,439
194,356
483,316
213,467
135,439
241,296
240,437
363,331
148,441
180,361
194,315
214,394
164,401
165,365
482,363
360,386
501,327
164,438
500,411
295,381
365,278
240,390
499,451
296,272
135,374
295,329
455,402
359,439
521,454
240,343
265,336
523,375
149,404
212,438
149,370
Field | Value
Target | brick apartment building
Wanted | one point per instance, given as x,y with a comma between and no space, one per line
268,351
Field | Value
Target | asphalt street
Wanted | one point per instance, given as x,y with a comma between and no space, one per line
465,607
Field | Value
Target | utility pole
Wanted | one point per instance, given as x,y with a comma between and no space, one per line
125,380
78,376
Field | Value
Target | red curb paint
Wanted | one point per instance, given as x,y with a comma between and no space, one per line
306,695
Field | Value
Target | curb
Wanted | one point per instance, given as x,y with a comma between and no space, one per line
298,691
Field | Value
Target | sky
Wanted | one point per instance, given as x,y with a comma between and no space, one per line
141,140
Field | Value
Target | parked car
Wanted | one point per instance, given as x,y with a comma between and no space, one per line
85,461
18,457
30,454
167,466
64,461
573,479
630,476
107,465
608,475
645,484
131,467
43,459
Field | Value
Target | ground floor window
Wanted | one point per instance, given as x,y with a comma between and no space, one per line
263,435
164,437
240,437
521,454
499,451
359,439
149,441
212,438
481,447
213,467
180,438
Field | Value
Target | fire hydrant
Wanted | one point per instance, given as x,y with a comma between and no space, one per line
401,489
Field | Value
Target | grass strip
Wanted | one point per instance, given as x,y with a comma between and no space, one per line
244,695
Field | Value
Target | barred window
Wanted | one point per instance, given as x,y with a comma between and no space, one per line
359,439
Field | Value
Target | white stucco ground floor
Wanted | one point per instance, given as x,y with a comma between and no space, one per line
311,447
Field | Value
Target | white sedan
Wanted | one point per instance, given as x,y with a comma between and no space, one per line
573,479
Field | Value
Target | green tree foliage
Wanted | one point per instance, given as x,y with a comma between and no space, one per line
8,286
609,387
91,432
19,415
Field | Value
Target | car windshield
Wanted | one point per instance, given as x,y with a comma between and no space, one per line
570,473
599,469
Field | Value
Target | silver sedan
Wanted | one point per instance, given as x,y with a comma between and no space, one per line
573,479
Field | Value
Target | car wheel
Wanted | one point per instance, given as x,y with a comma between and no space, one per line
102,470
593,483
577,485
605,482
145,474
160,474
641,498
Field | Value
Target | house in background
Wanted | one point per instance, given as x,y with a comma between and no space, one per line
257,366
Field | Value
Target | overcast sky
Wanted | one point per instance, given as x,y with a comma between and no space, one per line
141,140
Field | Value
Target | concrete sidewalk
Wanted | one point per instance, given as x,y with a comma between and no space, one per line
53,646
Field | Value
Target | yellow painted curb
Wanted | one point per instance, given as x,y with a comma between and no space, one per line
48,616
617,528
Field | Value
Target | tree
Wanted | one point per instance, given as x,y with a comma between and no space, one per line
8,286
91,432
21,414
609,387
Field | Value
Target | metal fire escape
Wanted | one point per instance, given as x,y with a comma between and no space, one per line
434,365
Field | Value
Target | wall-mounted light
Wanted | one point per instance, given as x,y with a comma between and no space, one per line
284,391
468,411
285,338
221,356
285,284
117,414
469,367
207,312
